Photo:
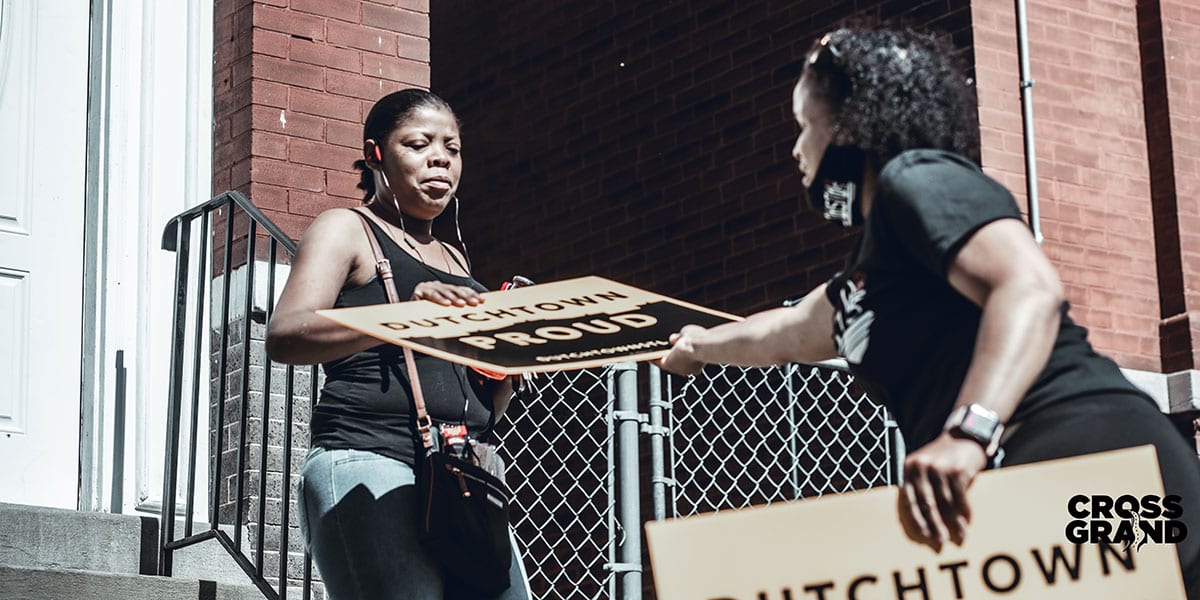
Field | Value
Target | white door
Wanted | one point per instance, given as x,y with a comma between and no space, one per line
43,130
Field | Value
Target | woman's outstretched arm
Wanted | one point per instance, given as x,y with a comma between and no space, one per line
801,333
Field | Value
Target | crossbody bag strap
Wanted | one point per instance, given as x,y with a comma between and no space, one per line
384,267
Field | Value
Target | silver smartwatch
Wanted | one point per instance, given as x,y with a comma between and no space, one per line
975,422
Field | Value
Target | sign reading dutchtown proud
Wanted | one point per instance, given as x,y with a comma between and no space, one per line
571,324
1019,543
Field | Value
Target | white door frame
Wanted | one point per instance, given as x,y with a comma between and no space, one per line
149,158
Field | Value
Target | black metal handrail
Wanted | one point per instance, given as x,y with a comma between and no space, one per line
188,344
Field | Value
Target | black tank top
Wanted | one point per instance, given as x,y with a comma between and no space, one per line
366,401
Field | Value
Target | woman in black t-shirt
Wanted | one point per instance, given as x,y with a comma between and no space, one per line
356,499
947,312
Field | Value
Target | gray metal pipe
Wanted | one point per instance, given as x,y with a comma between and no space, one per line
630,492
1031,185
657,454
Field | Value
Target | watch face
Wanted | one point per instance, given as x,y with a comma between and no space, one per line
978,426
977,423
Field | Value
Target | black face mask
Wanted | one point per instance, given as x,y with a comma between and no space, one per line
836,190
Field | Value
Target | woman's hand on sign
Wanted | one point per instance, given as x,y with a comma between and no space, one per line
681,359
933,500
447,294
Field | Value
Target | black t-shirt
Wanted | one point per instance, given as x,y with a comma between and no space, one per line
366,402
907,335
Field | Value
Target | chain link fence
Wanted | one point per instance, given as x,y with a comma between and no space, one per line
743,437
559,451
734,437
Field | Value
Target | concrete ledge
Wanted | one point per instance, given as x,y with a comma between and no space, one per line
34,536
1184,390
1174,392
54,538
54,584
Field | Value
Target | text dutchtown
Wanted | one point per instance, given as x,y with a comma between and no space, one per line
1000,573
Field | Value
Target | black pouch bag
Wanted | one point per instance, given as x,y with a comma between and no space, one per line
464,520
463,510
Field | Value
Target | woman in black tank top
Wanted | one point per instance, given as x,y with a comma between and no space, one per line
356,496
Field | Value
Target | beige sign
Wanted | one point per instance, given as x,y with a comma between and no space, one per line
1018,545
572,324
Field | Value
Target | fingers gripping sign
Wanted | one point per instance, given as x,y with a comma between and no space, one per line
933,501
447,294
682,359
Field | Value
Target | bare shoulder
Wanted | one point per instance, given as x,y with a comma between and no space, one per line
335,219
335,238
332,229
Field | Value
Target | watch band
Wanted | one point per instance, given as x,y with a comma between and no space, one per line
977,423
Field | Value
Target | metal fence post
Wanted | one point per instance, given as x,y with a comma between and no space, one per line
628,503
898,451
790,374
657,431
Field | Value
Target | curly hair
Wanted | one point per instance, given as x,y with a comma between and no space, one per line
389,113
893,90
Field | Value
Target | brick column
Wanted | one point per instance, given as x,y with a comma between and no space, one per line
293,82
1179,144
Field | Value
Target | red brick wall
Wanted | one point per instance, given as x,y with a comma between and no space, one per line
1117,148
1181,43
293,81
649,143
1094,183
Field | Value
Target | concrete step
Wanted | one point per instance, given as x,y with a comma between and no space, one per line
26,583
54,538
35,536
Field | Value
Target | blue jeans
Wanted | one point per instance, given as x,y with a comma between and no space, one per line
357,512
